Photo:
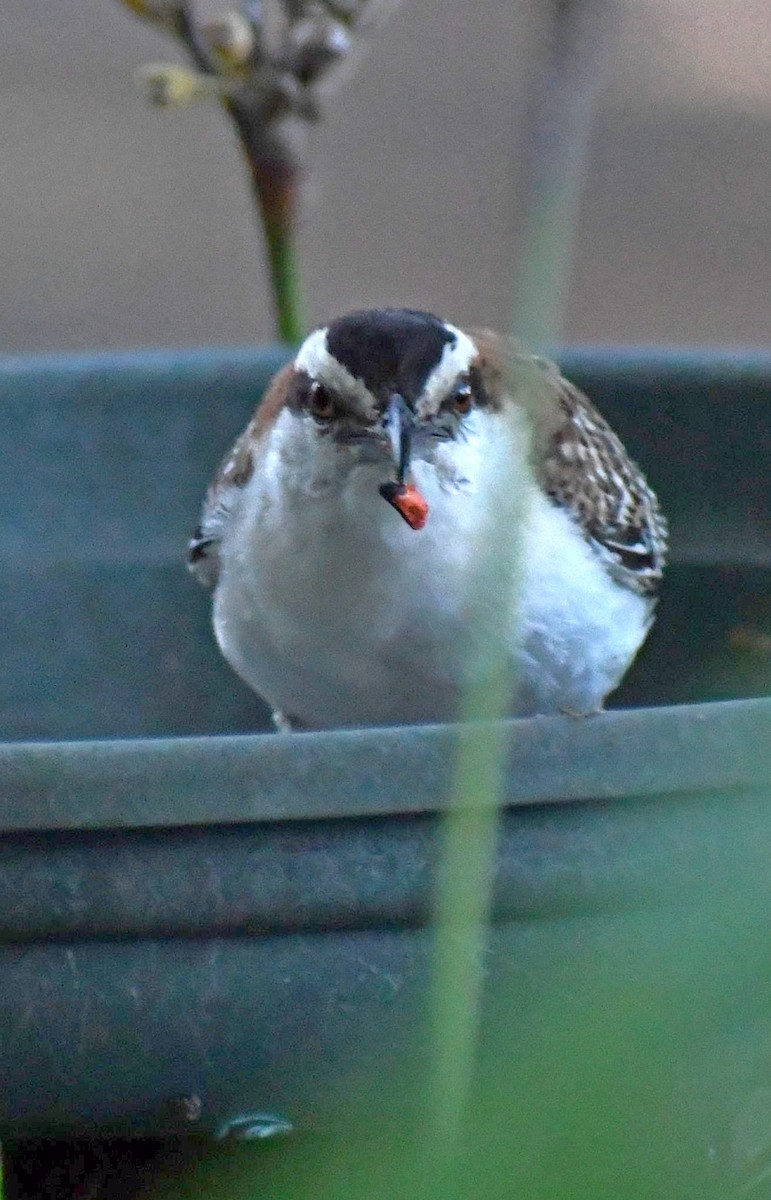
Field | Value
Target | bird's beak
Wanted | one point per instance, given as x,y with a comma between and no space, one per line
404,497
400,424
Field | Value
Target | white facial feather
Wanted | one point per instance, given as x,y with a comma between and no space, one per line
314,358
456,359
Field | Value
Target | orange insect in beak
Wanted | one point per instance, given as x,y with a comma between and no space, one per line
407,501
404,497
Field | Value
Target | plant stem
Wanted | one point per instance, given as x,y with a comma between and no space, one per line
470,833
469,841
275,189
275,185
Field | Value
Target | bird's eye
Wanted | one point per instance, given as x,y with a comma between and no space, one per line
462,400
320,403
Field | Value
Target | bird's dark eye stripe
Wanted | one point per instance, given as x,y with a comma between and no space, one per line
477,387
299,391
321,402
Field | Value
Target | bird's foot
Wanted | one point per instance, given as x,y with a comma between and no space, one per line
576,715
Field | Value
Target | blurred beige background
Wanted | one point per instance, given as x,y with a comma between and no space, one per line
124,226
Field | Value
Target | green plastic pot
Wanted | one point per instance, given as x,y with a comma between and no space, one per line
204,926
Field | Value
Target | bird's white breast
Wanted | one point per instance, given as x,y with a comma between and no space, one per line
338,613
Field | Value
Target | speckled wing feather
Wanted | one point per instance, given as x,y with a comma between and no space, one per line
581,463
221,498
586,469
224,492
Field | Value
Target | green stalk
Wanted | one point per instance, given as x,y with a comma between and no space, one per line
276,190
583,37
469,839
544,265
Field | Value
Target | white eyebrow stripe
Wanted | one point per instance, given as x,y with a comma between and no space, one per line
456,359
315,359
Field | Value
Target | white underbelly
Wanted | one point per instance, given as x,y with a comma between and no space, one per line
352,618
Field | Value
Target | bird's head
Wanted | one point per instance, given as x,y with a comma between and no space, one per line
392,383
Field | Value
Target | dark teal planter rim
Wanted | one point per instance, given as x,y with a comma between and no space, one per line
721,364
150,782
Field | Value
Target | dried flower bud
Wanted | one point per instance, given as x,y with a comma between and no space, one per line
346,10
168,85
153,8
361,13
314,45
167,13
232,39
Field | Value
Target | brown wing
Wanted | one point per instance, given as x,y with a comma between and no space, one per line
587,470
580,462
223,494
222,497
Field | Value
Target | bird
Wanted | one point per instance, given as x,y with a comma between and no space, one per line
413,508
